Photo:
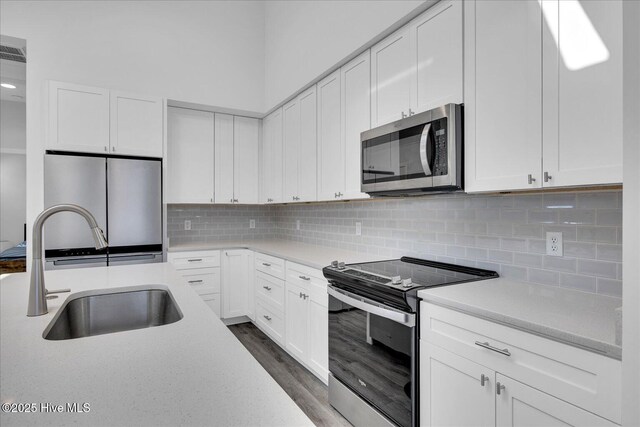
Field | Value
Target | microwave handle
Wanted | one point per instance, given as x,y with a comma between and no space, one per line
423,149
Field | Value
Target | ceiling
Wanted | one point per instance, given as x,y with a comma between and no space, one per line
13,72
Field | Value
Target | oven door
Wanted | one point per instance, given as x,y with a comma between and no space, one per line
371,351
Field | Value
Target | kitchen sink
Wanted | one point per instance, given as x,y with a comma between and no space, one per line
106,311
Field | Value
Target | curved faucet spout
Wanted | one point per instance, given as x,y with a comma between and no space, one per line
37,290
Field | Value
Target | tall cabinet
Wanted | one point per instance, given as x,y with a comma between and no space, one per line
299,146
271,173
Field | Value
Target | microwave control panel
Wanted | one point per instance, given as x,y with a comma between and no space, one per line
440,164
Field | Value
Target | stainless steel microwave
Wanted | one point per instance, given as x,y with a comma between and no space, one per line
415,155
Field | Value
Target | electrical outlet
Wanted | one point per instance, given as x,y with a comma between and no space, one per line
358,229
297,224
187,224
554,244
252,223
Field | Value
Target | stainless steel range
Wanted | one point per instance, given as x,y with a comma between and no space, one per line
373,335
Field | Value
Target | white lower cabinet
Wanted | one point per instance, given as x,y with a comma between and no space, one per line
201,271
474,372
237,283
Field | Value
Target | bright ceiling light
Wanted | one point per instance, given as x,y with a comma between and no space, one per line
7,85
580,45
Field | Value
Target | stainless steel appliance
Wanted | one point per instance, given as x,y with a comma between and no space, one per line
418,154
373,336
125,196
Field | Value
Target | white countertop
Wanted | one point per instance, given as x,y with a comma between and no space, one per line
191,372
578,318
302,253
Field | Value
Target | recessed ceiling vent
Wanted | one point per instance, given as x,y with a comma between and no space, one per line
12,54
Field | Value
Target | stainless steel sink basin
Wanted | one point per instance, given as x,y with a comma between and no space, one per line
105,311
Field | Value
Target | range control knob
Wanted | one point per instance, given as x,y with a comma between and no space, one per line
341,265
396,280
334,264
407,283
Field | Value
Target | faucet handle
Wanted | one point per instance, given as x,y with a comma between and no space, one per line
57,291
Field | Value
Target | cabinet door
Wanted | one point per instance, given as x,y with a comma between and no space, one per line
438,34
189,156
213,302
330,150
296,321
224,158
272,158
318,331
356,118
393,71
290,148
521,405
582,57
136,124
246,141
78,118
236,281
503,95
308,150
452,392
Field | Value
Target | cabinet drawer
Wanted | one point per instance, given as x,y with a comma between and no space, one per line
270,289
310,279
583,378
213,301
199,259
270,321
270,265
203,280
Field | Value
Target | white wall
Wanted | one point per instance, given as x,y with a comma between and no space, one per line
631,213
13,127
303,39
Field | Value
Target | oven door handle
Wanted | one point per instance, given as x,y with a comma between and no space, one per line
424,138
354,300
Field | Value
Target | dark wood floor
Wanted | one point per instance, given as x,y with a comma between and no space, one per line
309,393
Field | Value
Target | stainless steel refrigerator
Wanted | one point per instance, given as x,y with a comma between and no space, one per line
125,197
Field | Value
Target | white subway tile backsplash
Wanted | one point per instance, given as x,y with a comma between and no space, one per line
505,233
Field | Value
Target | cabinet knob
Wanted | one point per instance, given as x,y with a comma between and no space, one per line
547,177
531,179
483,379
113,148
411,113
235,200
499,388
106,148
304,277
404,115
266,264
267,317
267,287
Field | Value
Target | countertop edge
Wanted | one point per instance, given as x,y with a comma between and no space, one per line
594,346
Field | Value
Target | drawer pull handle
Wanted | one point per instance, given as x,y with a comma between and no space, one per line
499,388
267,287
488,346
267,317
266,264
305,277
195,260
195,281
483,379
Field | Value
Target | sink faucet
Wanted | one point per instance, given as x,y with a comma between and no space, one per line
37,291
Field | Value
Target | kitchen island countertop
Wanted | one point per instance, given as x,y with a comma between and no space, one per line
191,372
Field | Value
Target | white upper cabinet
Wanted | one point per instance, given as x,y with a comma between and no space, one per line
543,94
503,95
331,166
392,77
224,161
355,78
96,120
299,144
419,67
78,118
582,92
136,124
438,38
271,182
246,143
190,156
